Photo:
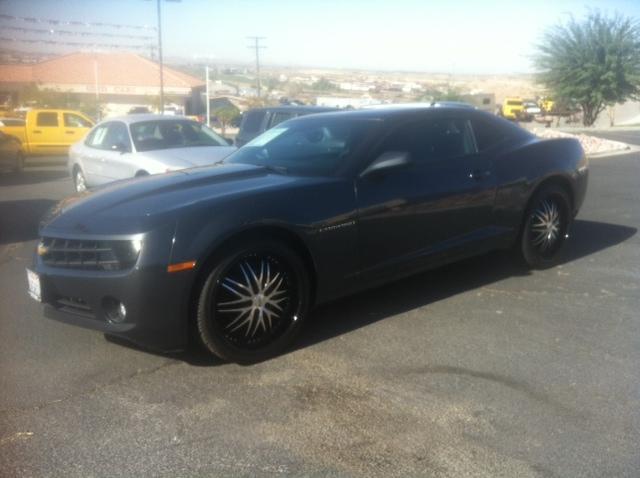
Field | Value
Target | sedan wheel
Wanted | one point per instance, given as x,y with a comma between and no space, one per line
19,164
546,226
253,303
79,181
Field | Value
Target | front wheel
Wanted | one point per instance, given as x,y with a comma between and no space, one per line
546,227
253,302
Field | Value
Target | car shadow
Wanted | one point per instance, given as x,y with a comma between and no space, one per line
32,176
19,219
345,315
360,310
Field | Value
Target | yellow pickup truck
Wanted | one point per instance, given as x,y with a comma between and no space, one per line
44,132
512,108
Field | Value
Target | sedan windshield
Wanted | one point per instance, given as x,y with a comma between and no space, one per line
167,134
307,147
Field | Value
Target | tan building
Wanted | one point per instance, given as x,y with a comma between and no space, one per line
117,81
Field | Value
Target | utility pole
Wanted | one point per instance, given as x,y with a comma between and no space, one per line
256,45
160,58
95,79
206,76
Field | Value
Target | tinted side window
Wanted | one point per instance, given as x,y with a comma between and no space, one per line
487,133
252,121
75,121
432,140
277,118
47,119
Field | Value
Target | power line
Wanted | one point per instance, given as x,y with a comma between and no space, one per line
51,31
52,21
75,43
257,47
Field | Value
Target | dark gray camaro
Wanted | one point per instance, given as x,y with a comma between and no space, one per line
314,209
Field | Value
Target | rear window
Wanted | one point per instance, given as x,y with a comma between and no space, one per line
252,121
168,134
47,119
514,103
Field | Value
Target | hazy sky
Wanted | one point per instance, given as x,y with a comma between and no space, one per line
463,36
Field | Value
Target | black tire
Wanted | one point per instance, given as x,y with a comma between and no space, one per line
19,164
79,180
222,327
540,242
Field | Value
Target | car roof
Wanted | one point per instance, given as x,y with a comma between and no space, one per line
138,118
296,109
396,111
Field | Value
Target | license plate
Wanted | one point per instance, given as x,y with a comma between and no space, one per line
33,282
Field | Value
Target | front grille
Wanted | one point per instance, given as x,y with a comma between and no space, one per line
88,254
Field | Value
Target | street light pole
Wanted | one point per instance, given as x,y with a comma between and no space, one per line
160,58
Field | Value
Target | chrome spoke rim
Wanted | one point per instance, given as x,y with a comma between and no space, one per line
80,184
546,225
254,301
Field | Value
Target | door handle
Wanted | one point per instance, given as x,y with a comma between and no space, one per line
69,132
479,174
37,131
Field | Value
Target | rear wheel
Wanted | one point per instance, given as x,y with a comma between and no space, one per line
19,162
253,302
546,227
79,180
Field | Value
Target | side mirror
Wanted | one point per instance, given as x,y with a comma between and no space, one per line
120,147
386,162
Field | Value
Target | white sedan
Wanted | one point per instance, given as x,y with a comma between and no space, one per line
131,146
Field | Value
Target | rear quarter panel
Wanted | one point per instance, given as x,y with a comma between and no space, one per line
520,170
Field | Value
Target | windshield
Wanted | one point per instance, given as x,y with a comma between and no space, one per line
164,134
317,147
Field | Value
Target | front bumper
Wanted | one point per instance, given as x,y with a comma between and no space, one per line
156,302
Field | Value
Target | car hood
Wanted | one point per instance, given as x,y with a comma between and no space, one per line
137,205
188,157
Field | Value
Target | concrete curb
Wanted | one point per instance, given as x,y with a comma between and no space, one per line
629,150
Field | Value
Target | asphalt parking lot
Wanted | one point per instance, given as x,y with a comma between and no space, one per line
476,369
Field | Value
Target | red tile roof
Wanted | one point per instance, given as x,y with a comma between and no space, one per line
15,74
117,69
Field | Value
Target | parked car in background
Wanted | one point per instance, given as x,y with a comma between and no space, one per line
531,109
257,121
314,209
139,110
139,145
11,152
547,105
48,132
512,108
